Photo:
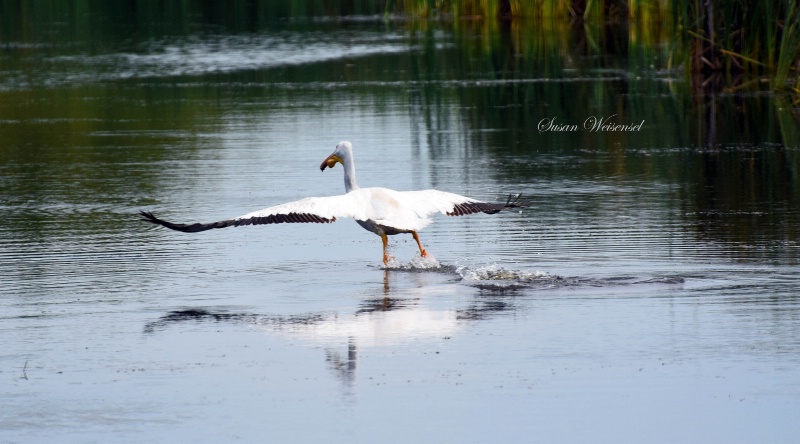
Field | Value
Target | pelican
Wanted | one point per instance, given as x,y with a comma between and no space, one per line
382,211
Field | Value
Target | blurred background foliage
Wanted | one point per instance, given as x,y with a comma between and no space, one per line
719,45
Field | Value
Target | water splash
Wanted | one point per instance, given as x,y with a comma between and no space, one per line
417,263
495,277
495,272
498,277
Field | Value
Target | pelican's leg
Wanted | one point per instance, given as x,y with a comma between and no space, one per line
421,250
386,256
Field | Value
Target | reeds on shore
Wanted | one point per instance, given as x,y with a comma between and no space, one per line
725,45
732,44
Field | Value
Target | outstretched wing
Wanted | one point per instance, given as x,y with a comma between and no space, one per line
308,210
403,210
411,210
428,202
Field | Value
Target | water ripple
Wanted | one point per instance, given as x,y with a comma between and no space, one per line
201,56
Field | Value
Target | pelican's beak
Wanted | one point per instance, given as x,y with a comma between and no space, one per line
330,162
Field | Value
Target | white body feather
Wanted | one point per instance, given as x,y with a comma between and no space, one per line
403,210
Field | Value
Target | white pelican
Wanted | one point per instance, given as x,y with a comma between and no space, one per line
382,211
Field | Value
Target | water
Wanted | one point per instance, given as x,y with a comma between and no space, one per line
647,291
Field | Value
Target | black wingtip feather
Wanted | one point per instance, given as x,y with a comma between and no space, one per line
271,219
512,201
485,207
185,228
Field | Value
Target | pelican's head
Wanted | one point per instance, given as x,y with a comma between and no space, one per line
344,150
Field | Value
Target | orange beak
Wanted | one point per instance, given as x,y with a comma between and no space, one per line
330,162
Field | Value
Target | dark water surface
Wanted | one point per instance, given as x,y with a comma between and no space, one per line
647,293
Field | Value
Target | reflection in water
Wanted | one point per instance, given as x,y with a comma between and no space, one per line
383,321
483,309
343,368
323,326
385,304
203,315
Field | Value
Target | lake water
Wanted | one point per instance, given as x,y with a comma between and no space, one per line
648,291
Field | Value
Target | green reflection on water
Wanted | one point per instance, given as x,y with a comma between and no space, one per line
77,129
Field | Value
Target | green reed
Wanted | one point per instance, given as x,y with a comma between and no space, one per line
732,43
788,64
742,38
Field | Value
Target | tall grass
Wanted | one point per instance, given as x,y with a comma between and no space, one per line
731,43
735,43
788,62
741,38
